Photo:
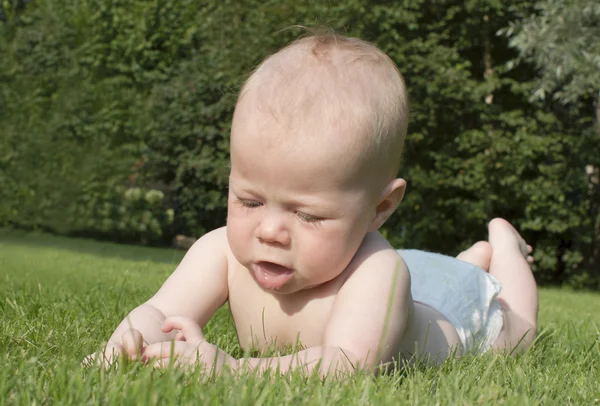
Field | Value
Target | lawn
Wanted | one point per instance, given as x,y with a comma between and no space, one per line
60,298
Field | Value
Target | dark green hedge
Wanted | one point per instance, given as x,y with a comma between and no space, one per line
115,116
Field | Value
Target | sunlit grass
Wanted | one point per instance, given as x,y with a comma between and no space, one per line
61,298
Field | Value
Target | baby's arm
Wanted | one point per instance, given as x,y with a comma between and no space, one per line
370,314
366,326
196,289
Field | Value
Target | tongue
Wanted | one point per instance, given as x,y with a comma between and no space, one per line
271,276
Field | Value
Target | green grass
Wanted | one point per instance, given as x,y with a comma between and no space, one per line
61,298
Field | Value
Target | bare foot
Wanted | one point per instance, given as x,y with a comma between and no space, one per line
480,254
503,233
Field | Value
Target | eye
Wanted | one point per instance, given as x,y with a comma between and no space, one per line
249,203
307,218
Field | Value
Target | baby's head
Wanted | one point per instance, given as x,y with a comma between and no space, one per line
316,143
335,91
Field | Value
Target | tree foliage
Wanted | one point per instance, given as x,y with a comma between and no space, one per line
115,119
561,40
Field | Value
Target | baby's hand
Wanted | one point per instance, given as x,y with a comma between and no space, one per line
187,329
131,347
188,349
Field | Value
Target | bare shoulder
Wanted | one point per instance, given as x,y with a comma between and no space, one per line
198,286
374,303
217,238
376,265
209,250
218,235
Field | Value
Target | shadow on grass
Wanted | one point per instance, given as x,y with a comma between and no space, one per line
20,238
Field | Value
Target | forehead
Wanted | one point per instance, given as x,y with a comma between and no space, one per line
310,154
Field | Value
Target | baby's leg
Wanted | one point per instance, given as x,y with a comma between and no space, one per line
518,298
480,254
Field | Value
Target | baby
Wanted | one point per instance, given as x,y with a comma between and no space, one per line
316,144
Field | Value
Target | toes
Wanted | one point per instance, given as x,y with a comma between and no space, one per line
526,250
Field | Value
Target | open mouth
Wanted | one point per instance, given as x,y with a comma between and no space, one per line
270,275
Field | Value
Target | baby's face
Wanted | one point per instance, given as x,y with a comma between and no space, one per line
295,217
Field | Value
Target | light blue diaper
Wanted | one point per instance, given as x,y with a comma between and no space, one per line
464,293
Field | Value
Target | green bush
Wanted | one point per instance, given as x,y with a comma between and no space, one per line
102,100
130,215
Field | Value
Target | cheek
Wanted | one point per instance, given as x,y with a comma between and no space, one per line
329,254
239,231
238,217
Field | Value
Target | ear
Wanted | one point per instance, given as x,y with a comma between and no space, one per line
390,199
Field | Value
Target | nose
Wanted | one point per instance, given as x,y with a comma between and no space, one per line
272,229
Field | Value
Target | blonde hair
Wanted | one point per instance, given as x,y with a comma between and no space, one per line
331,77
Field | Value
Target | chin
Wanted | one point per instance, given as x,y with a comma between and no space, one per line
284,290
292,289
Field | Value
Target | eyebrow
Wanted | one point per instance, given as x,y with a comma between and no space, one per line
305,202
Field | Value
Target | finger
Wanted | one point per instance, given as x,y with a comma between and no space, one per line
110,355
179,336
112,351
164,363
161,363
105,358
89,360
187,327
95,360
165,349
132,343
